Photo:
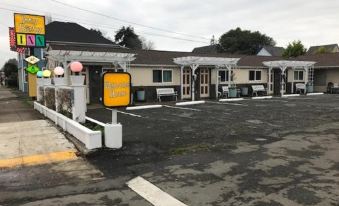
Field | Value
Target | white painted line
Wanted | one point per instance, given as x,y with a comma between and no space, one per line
130,114
231,100
144,107
152,194
190,103
264,97
183,108
290,95
95,121
313,94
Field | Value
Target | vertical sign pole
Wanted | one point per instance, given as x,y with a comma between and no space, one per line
114,116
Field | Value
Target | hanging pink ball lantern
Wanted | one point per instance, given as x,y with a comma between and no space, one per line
76,67
58,71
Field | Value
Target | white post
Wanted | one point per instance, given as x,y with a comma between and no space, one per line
292,86
282,82
193,67
269,80
114,116
181,82
66,69
217,82
113,132
229,68
306,75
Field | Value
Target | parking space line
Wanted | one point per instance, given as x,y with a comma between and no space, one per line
38,159
228,103
144,107
127,113
152,193
183,108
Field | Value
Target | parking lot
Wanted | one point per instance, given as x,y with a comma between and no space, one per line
280,151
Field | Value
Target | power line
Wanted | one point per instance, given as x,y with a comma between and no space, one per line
102,25
129,22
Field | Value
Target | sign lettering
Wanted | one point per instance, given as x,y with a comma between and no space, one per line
116,89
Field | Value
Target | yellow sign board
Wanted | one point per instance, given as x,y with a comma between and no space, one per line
29,24
116,89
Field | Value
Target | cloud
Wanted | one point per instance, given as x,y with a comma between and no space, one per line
312,21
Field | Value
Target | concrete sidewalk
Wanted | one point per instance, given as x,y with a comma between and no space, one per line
25,137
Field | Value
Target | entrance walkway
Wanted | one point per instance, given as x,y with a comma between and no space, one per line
26,138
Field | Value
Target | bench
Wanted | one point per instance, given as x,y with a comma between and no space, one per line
258,89
162,92
224,92
300,87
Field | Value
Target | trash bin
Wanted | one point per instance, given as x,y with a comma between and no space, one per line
309,88
141,95
232,92
244,91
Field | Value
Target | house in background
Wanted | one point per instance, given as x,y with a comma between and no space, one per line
210,49
271,51
331,48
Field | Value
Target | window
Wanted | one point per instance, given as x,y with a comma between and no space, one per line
160,76
299,75
254,75
223,74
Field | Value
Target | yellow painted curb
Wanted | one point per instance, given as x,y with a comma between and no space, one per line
38,159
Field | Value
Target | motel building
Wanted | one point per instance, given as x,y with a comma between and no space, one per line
185,75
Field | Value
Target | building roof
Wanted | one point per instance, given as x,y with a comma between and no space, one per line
210,49
322,60
274,51
71,32
156,57
328,48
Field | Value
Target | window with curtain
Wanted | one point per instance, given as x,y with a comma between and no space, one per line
299,75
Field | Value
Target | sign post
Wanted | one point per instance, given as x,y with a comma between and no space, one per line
116,92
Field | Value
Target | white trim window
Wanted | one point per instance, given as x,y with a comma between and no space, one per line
223,76
298,75
162,76
254,75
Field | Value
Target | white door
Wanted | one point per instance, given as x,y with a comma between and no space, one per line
204,82
186,83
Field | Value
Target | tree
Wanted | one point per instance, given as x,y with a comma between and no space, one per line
147,44
10,69
321,50
128,38
244,41
97,31
294,49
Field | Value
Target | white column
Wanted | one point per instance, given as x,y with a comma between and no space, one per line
229,70
292,86
181,82
217,82
306,75
193,67
67,72
282,82
269,80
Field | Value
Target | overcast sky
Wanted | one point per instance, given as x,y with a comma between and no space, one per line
313,22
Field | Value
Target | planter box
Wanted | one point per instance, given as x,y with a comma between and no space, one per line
59,81
77,80
47,81
91,139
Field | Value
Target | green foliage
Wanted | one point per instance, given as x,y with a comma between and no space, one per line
321,50
294,49
239,41
10,69
128,38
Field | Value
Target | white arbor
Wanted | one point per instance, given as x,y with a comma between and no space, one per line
193,62
283,65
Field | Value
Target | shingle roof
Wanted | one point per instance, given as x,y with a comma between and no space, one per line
156,57
211,49
328,48
72,32
323,60
274,51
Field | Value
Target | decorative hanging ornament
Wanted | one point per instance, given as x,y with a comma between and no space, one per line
46,73
33,69
39,74
76,67
58,71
